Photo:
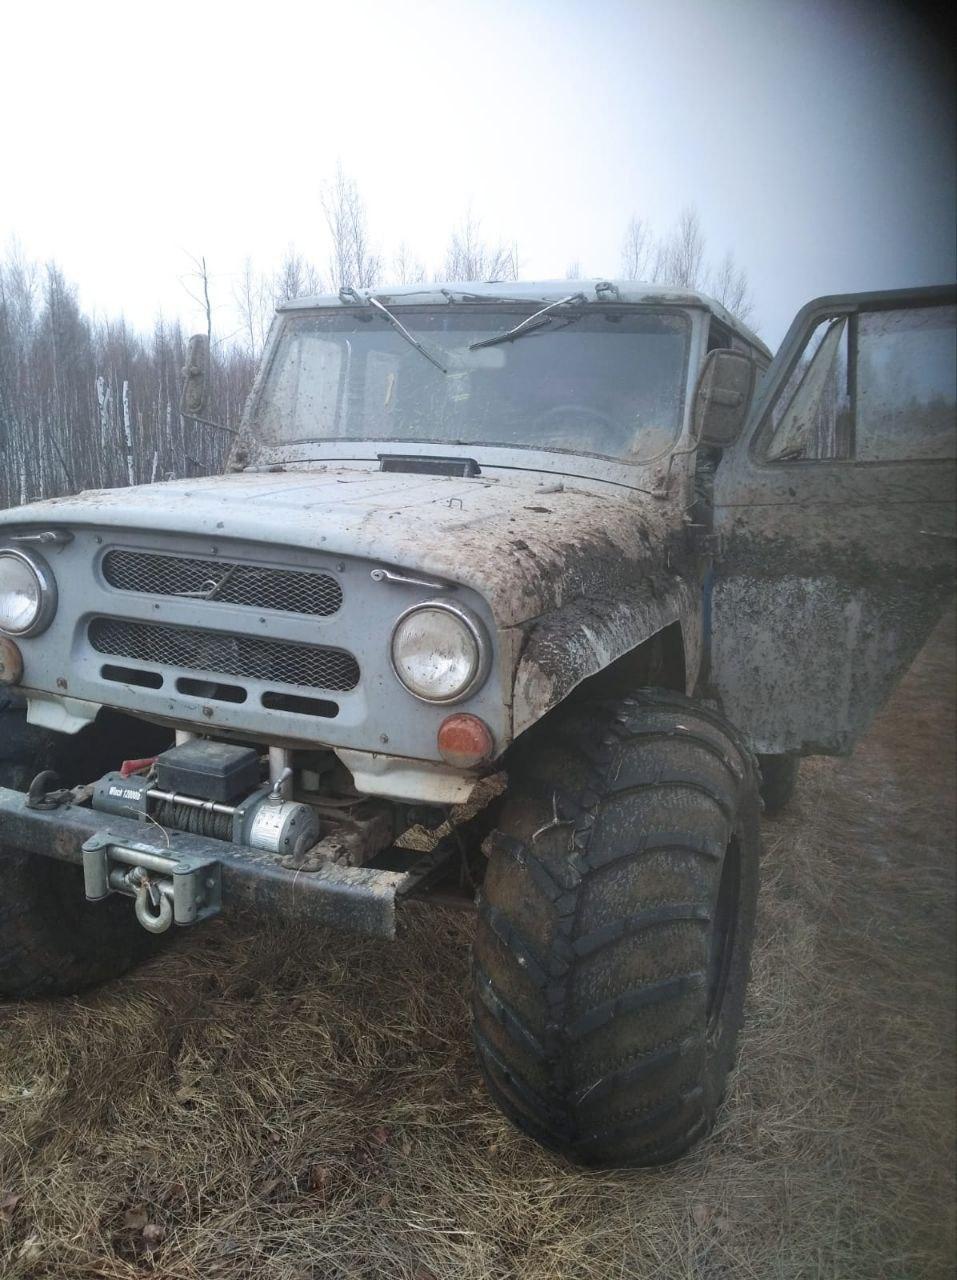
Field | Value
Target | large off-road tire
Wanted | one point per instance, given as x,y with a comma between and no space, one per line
24,749
615,928
52,941
779,778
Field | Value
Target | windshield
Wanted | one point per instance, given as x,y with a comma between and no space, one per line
607,382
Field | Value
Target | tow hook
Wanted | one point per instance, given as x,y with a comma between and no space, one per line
43,793
167,888
151,906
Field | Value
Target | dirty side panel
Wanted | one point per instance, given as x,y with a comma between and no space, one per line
835,519
820,606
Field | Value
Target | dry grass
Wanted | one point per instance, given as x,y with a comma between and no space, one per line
288,1106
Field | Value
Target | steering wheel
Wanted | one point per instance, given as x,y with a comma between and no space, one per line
606,433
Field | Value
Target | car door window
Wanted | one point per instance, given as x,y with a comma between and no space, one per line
874,386
906,384
812,417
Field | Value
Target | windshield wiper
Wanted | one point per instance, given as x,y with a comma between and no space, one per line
409,337
528,324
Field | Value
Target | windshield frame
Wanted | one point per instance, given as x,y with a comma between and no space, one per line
526,457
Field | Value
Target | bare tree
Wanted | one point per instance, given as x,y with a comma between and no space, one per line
352,264
638,250
86,404
406,268
296,278
469,257
679,258
253,301
198,290
684,252
728,283
574,270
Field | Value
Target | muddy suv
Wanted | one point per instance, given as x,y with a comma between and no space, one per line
515,595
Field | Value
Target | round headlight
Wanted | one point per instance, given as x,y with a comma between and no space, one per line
27,593
440,651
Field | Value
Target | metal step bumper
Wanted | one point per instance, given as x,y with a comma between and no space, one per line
360,899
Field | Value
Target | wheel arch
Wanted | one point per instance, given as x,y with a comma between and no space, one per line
610,647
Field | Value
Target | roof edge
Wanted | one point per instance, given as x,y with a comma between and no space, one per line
597,290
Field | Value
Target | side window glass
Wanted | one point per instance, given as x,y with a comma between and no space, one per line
871,386
906,384
811,418
718,336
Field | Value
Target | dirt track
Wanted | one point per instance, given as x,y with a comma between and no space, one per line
289,1107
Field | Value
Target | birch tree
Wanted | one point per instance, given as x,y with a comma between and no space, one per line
679,258
296,278
406,268
728,283
470,257
352,264
683,259
254,303
85,405
638,250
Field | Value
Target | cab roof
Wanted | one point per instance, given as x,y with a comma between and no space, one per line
539,292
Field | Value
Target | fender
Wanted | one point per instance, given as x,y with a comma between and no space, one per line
562,648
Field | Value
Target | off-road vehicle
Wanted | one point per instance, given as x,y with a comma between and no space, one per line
560,573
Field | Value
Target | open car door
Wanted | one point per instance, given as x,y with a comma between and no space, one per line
835,520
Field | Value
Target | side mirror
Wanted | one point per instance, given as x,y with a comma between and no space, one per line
723,397
195,390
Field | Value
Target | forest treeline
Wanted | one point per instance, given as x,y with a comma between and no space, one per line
88,404
91,403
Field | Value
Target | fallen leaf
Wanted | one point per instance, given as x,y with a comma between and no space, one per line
153,1235
136,1218
8,1202
31,1249
701,1214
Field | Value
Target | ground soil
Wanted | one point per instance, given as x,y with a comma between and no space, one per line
272,1104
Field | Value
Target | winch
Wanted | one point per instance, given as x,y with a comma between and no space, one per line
212,789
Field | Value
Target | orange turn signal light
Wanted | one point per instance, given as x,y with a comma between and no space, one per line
464,740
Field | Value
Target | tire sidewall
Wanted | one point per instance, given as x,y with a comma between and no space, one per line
723,1042
562,1040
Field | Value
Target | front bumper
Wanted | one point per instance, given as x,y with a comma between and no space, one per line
360,899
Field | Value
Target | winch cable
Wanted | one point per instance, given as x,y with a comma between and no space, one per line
192,820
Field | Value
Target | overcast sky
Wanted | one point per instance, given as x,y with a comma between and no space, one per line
816,138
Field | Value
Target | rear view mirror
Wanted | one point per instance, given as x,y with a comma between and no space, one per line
723,397
195,377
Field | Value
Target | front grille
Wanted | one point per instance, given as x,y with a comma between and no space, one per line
290,590
219,652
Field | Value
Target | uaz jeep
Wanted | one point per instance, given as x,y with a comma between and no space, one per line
564,574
